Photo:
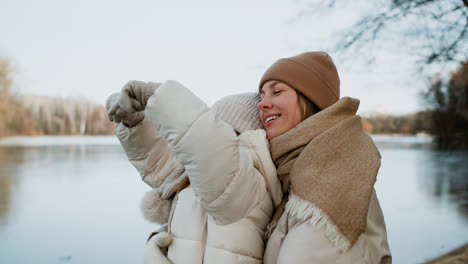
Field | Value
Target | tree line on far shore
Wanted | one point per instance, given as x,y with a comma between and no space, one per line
446,117
410,124
40,115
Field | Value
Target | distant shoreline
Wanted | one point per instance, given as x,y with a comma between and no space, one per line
50,140
106,135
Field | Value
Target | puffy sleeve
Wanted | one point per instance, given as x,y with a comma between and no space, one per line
148,152
222,174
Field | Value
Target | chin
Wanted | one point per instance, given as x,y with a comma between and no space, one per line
271,135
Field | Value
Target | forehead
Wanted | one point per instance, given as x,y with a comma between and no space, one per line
269,85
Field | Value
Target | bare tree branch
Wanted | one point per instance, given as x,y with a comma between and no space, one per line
436,28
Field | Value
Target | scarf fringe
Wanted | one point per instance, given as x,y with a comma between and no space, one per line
304,210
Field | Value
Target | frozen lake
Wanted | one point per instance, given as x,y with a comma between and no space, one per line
76,200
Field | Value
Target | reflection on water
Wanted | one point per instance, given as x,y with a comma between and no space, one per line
423,195
73,203
5,193
8,165
75,200
448,172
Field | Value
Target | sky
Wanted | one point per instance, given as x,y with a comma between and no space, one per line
91,48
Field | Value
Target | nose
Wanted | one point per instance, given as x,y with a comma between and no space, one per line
264,104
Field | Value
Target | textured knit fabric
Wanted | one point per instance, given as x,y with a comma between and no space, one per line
133,122
116,114
297,241
312,73
330,165
221,216
135,94
240,111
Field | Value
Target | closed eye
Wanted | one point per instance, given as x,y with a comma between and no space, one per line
277,92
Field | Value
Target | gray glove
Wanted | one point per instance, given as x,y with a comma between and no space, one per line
117,114
135,95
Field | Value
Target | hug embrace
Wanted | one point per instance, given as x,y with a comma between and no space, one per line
284,174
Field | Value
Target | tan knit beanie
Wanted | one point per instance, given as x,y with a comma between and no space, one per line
312,73
240,111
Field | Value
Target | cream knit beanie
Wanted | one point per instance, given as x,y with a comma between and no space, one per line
240,111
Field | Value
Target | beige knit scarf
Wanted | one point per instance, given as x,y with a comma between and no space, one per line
331,165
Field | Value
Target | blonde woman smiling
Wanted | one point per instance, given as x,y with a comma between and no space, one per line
327,166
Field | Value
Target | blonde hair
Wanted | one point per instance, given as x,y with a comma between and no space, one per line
306,106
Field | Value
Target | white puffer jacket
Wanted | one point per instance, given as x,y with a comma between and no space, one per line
234,188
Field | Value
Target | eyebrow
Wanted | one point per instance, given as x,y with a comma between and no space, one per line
274,84
271,86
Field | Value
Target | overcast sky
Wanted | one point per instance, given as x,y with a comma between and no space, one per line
92,48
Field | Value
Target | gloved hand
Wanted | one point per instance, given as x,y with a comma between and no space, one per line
156,248
117,114
135,95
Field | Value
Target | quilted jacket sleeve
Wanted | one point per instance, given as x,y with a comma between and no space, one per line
222,175
148,151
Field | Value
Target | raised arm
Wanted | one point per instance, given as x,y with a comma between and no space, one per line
146,149
222,174
148,152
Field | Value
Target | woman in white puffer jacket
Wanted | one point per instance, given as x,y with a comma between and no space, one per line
221,216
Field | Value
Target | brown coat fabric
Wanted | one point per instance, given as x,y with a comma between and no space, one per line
331,162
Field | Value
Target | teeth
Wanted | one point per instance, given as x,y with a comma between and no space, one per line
271,118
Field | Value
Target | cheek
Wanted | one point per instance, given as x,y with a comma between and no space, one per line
295,116
294,119
298,116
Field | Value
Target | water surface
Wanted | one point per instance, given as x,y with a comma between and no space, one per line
70,202
75,200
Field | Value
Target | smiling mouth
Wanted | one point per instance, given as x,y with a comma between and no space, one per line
271,118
